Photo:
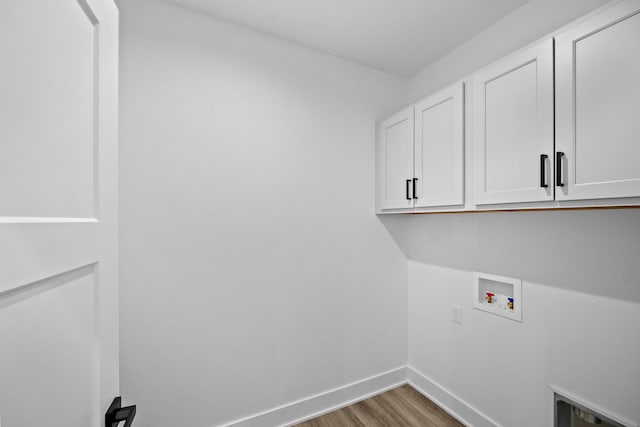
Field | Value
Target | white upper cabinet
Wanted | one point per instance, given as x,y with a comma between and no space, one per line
421,154
598,106
439,148
553,125
513,134
395,157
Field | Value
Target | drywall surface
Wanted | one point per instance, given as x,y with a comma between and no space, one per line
586,345
253,269
589,251
580,273
533,20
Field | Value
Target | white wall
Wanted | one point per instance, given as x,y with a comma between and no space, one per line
253,270
584,344
580,272
533,20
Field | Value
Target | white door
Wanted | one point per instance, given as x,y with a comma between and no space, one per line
395,167
513,129
439,148
58,212
598,106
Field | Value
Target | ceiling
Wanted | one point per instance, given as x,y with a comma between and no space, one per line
397,36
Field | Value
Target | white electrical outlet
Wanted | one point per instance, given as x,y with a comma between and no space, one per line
456,314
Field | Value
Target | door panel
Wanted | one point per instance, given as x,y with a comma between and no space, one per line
598,95
58,212
47,130
439,150
395,149
56,319
511,130
513,127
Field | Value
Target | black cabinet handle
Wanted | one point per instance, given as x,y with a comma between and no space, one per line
407,189
414,188
543,170
559,156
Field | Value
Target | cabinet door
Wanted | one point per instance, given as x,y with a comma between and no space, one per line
439,158
513,129
598,105
395,154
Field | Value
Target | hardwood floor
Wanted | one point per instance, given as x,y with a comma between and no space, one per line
401,407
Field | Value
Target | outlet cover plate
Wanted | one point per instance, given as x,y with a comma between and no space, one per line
456,314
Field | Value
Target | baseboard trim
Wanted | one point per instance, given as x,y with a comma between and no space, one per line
321,403
455,406
331,400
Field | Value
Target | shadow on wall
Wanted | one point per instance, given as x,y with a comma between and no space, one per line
396,225
590,251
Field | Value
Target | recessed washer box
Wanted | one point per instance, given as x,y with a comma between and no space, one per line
498,295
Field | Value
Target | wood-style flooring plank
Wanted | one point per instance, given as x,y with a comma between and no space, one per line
429,411
340,418
401,407
372,414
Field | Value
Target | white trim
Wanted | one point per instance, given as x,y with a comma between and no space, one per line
454,405
322,403
44,220
331,400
